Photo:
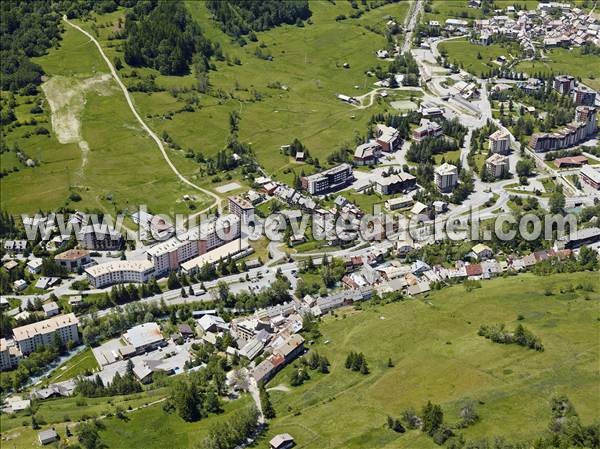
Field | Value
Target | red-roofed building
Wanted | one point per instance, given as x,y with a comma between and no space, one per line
474,270
570,161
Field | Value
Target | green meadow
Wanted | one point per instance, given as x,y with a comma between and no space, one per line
123,167
466,53
561,60
291,96
438,356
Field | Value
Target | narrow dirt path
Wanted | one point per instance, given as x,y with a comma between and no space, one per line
151,133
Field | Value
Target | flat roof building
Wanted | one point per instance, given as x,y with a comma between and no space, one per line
446,177
34,335
120,272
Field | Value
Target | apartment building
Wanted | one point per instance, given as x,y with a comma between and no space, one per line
170,254
120,272
500,142
427,129
100,237
564,84
328,180
582,96
582,128
32,336
395,183
367,153
241,207
497,165
446,177
387,137
9,355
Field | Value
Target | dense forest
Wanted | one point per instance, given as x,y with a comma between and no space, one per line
27,29
240,17
162,35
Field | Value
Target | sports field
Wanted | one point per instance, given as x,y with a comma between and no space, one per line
438,356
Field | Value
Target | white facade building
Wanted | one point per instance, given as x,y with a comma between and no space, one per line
34,335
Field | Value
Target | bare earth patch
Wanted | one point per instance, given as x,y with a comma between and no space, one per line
67,97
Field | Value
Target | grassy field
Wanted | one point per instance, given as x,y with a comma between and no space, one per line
152,428
572,62
438,356
465,53
271,116
123,168
82,362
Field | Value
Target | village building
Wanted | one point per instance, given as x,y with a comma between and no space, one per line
10,355
73,259
50,309
427,129
590,176
570,161
367,153
394,183
387,137
100,237
582,128
144,337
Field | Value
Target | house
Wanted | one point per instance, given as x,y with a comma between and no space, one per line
51,309
47,436
212,323
10,265
186,331
73,259
34,266
45,283
20,284
570,161
401,202
482,252
474,271
417,289
282,441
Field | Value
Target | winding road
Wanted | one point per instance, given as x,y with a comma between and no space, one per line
151,133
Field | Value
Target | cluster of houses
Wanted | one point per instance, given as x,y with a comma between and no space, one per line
571,27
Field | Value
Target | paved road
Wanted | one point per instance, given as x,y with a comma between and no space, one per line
151,133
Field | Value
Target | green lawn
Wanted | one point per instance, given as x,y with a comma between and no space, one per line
438,356
465,53
82,362
152,428
572,62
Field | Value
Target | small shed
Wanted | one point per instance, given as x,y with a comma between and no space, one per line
282,441
47,436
